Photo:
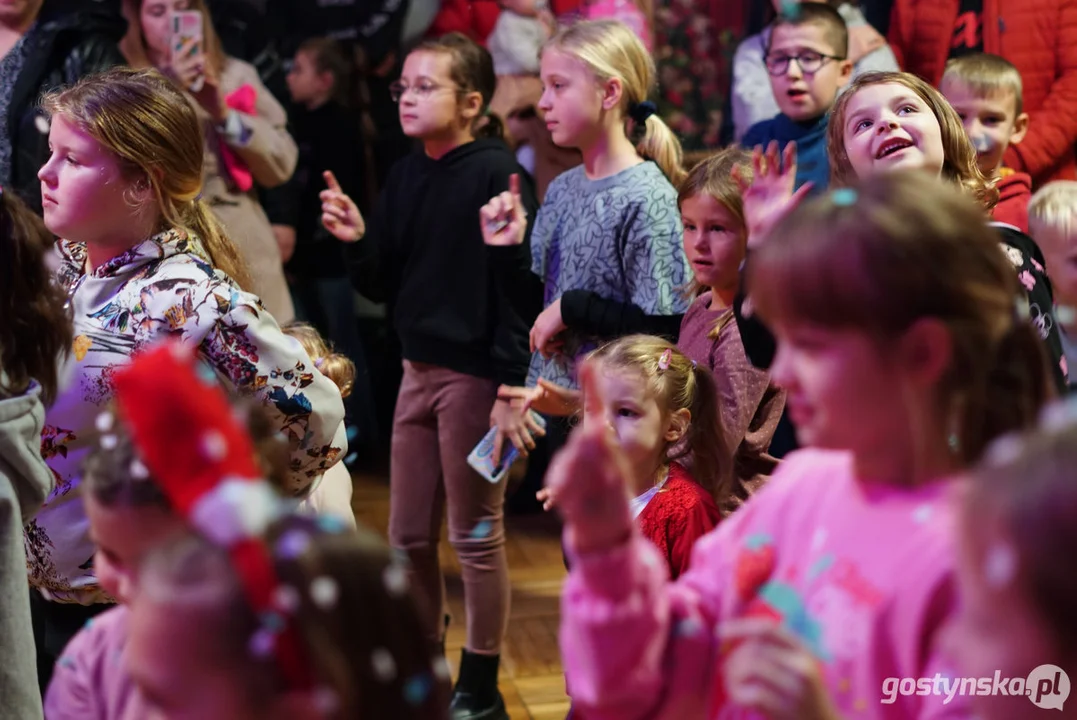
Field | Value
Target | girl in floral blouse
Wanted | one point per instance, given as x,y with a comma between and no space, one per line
143,259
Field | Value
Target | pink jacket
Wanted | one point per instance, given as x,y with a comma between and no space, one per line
91,681
862,573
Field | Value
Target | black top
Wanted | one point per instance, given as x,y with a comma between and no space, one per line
455,302
328,139
968,34
72,39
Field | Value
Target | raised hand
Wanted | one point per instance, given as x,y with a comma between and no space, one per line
504,219
340,215
587,481
769,196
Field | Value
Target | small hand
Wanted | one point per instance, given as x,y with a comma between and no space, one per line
587,482
547,326
546,398
863,40
340,215
769,196
519,427
504,218
771,672
547,497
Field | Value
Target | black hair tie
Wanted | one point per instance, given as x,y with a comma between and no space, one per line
641,111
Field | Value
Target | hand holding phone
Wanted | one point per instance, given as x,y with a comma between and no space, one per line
187,46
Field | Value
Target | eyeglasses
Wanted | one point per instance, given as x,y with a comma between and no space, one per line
423,90
809,62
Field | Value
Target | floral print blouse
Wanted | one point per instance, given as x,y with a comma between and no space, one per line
164,287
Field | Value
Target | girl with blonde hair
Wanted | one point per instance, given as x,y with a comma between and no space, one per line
143,258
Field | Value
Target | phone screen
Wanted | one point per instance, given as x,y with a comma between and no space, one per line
187,41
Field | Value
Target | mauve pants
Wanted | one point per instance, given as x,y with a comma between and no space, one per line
441,416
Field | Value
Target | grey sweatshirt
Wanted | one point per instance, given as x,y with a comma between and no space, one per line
25,481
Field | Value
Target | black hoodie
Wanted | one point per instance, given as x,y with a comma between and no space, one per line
72,39
455,302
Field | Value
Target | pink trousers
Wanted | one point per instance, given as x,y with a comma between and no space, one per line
441,416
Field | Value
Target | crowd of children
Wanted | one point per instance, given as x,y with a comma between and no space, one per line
865,267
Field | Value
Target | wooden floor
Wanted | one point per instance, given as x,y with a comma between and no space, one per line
531,678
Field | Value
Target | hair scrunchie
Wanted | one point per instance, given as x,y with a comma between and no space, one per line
641,111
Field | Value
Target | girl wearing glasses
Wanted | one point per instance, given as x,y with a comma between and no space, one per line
461,310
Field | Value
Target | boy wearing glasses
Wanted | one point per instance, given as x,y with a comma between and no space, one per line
806,60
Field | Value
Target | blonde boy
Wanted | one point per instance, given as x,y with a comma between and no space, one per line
985,90
1052,218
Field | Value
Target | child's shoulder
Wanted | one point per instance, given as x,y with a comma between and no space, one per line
821,470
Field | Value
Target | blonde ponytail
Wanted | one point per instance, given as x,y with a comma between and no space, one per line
197,219
661,145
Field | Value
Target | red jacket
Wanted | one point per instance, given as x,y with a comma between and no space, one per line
678,515
474,18
1039,37
1014,192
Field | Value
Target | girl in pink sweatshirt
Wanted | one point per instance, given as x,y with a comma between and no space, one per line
902,356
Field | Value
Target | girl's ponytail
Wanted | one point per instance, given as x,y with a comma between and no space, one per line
1010,393
199,220
706,442
489,125
661,145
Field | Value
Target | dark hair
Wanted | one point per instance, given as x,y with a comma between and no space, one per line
472,69
835,31
375,615
114,475
36,331
897,248
1027,482
681,385
330,57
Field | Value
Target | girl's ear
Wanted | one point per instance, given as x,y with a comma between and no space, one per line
612,92
471,106
678,425
926,351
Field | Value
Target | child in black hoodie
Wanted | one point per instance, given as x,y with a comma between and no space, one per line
462,311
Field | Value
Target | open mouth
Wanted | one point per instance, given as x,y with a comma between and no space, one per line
892,146
796,94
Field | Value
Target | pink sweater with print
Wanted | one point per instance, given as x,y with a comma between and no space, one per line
863,574
90,681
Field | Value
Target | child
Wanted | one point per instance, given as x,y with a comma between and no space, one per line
1037,36
143,259
605,226
329,136
461,311
1053,222
889,121
332,495
715,241
901,364
806,60
149,487
35,334
753,101
1016,534
985,91
661,407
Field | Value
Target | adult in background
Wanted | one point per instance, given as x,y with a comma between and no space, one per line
45,44
246,140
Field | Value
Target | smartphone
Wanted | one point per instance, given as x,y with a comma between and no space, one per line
187,30
482,457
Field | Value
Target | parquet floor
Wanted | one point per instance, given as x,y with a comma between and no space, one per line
531,678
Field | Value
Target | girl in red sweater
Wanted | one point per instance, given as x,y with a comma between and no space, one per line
662,408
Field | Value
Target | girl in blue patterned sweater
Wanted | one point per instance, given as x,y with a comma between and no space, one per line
609,229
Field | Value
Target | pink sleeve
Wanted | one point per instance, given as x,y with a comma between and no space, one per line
636,645
73,692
